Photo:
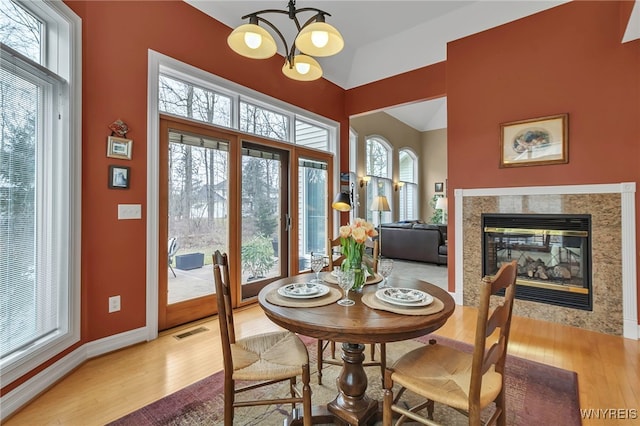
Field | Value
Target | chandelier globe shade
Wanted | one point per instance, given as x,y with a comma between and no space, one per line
252,41
303,68
319,39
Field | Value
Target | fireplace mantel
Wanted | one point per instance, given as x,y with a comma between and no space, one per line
552,199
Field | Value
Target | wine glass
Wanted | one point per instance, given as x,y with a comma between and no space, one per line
385,266
345,281
317,263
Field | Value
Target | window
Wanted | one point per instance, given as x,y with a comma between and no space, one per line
261,121
408,173
379,160
312,208
353,178
188,100
184,94
39,184
312,136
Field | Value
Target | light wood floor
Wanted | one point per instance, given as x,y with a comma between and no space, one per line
108,387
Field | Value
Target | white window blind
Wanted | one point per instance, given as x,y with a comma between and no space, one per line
408,173
39,189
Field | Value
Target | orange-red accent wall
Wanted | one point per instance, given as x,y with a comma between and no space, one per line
116,39
568,59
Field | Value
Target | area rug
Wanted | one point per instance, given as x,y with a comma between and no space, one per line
536,394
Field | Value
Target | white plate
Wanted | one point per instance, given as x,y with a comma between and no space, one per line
303,290
391,295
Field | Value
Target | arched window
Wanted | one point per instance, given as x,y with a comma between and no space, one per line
378,158
408,174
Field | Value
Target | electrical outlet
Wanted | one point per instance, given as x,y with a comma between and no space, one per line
114,304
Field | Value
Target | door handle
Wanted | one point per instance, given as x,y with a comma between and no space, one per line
287,222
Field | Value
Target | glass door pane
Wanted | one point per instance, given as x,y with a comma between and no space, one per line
264,211
313,197
197,203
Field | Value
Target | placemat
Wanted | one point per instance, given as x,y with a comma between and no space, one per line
371,279
372,301
333,296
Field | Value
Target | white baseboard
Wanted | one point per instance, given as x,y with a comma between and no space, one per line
26,392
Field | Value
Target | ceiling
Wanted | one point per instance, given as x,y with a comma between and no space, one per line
385,38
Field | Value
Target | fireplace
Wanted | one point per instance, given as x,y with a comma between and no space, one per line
553,253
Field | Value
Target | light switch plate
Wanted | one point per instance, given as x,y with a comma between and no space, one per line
129,211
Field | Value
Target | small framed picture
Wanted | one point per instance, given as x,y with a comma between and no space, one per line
535,142
439,187
119,177
119,148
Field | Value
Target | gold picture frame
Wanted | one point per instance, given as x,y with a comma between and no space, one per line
119,148
535,142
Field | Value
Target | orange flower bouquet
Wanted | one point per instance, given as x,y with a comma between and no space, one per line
352,240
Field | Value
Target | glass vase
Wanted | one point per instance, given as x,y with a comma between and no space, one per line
354,261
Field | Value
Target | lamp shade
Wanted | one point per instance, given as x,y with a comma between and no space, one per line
380,204
319,39
252,41
441,203
304,68
342,202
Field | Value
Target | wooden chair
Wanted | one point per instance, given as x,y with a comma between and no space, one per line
467,382
173,249
335,259
265,359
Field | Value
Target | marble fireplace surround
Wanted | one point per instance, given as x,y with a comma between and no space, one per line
612,207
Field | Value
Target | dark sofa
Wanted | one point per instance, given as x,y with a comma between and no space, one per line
421,242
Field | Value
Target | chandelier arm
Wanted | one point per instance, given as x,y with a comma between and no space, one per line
277,31
314,18
260,12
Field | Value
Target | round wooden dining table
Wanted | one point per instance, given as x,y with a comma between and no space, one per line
356,325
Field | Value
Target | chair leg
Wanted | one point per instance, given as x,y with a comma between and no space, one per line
387,399
501,405
306,396
430,407
333,349
174,272
383,359
319,361
292,388
229,399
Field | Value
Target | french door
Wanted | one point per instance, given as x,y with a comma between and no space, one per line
194,194
264,203
264,218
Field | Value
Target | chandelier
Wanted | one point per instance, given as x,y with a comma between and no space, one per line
314,38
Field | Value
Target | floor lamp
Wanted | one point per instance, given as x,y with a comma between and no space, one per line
380,204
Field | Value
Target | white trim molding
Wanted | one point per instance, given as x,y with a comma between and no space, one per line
29,390
627,190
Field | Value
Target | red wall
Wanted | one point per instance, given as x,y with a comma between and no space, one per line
116,39
566,60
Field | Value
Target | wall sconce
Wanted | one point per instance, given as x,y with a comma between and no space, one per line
343,200
398,185
364,180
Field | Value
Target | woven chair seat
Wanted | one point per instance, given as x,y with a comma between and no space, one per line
269,356
442,373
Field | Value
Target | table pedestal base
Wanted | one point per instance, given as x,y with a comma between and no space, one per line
352,404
